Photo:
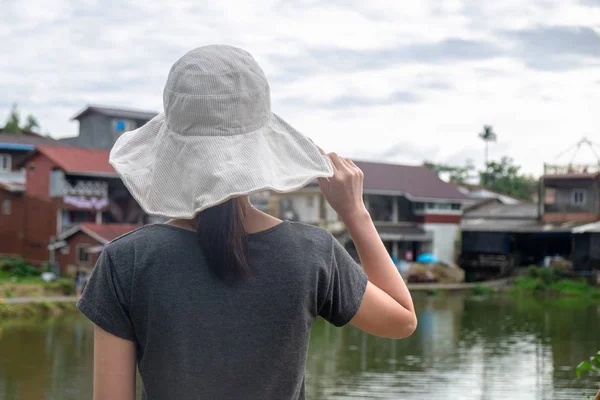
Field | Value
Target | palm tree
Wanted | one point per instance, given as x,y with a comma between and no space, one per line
488,135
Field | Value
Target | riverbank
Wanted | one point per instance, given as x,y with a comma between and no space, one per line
36,307
554,282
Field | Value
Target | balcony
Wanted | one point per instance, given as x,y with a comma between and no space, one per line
86,188
571,169
13,177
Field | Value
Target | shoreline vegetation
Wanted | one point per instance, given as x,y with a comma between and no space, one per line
35,309
18,279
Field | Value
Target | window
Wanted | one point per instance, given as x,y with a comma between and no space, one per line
456,206
82,254
419,206
5,163
578,197
6,207
123,125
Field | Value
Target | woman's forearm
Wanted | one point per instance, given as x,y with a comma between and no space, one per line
375,259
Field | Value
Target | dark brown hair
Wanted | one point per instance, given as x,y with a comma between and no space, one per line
224,240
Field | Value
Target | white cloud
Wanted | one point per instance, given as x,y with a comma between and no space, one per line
362,78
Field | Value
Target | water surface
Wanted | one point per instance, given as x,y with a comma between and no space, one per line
465,348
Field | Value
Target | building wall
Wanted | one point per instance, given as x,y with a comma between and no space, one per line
306,206
563,192
38,170
95,131
67,257
11,224
39,227
444,240
17,156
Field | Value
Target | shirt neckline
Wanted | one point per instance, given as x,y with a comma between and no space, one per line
250,235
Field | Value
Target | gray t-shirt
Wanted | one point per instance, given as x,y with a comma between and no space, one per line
200,338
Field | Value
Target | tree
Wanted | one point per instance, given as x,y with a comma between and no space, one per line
487,135
31,123
13,121
505,177
460,174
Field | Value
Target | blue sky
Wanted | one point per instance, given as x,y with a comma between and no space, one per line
376,80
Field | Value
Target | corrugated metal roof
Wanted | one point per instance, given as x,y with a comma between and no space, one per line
503,211
117,113
515,225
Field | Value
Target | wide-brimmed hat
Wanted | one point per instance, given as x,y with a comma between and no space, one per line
216,139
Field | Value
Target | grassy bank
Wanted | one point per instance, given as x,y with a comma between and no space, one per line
40,309
555,283
21,279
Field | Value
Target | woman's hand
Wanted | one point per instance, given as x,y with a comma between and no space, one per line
344,190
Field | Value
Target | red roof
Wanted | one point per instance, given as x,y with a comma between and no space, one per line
79,160
417,182
106,232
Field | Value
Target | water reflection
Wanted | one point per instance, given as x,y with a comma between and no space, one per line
465,348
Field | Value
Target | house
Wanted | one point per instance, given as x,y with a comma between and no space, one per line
13,150
564,222
65,186
99,127
79,247
414,211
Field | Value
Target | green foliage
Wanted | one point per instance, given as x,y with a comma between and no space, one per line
554,282
456,173
481,290
13,123
488,134
505,177
592,365
19,268
31,123
547,275
8,293
66,286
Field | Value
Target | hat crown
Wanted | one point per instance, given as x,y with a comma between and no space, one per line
216,90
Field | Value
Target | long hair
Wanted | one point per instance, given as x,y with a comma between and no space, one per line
224,240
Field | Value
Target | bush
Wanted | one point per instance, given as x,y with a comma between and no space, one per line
480,290
19,267
547,275
67,287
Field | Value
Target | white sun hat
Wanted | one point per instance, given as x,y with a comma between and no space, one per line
216,139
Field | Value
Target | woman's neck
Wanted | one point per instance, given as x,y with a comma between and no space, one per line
254,220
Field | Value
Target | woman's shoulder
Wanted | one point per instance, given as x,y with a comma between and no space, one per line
312,235
147,236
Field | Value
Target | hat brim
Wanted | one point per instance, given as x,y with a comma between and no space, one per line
177,176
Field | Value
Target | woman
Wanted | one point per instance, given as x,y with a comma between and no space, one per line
218,302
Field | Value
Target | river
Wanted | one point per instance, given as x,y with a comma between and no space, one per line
465,348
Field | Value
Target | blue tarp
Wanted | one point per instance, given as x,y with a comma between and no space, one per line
427,258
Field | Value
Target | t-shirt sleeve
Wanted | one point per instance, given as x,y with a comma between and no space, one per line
342,290
103,301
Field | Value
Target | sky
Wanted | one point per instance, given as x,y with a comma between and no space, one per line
381,80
